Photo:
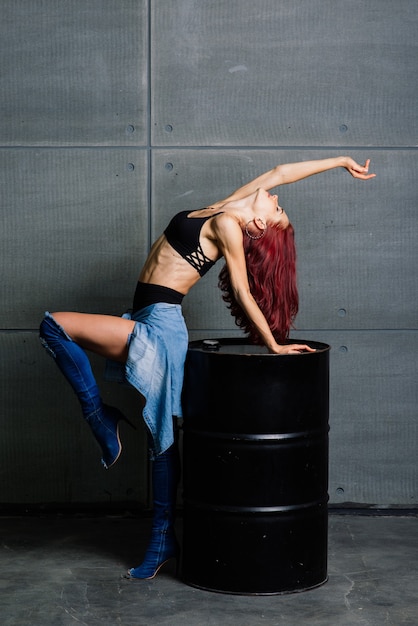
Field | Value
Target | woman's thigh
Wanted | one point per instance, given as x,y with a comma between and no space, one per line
106,335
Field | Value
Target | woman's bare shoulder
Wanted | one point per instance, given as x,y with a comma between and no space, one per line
226,230
224,223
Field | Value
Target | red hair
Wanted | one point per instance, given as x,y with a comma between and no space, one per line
271,269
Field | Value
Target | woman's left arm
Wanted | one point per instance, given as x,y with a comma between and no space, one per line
292,172
229,237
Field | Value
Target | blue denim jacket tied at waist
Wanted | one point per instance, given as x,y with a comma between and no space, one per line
155,367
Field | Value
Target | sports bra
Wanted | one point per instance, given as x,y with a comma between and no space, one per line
183,234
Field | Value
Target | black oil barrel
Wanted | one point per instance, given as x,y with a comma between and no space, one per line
255,463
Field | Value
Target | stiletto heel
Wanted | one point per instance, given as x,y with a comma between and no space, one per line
162,548
104,424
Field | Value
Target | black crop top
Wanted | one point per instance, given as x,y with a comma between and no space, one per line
183,234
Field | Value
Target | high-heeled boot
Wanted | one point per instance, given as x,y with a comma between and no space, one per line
75,365
163,545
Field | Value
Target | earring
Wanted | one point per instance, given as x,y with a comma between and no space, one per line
263,232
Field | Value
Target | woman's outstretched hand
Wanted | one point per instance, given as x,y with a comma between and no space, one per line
358,171
291,348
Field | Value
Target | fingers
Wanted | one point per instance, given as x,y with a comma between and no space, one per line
364,176
306,348
362,171
293,348
366,169
298,348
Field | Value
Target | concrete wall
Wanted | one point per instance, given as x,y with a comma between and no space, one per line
117,113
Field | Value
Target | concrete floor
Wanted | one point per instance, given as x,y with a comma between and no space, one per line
66,570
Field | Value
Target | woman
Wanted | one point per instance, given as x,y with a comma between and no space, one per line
253,233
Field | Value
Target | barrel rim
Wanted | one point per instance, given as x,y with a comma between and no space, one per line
214,346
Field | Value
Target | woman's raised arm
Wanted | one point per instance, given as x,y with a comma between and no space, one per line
292,172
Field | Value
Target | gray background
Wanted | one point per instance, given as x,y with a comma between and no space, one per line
117,113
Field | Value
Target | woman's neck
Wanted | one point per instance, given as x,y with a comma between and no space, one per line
241,210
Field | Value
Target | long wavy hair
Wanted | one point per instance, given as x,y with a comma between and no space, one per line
271,269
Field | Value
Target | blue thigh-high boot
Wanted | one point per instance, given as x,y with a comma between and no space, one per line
163,544
75,365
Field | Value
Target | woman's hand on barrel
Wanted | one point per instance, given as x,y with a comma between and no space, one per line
291,348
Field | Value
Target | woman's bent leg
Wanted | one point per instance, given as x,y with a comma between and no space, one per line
75,365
